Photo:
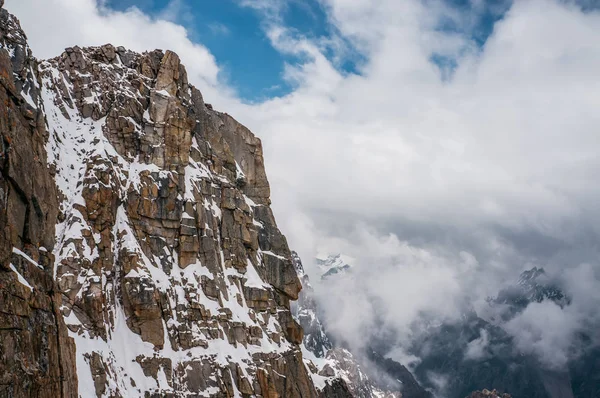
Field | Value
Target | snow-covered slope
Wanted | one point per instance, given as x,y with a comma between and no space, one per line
174,275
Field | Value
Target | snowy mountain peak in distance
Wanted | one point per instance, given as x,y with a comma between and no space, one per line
332,264
533,285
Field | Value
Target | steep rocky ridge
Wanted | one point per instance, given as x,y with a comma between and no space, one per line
36,353
167,241
305,310
141,216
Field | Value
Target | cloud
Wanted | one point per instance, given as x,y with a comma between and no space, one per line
477,349
219,29
401,283
545,330
494,163
177,11
444,187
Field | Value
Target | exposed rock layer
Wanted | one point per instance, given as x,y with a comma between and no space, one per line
167,227
488,394
36,354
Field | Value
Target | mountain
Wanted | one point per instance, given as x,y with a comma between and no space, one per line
37,354
334,366
139,253
306,311
473,353
333,264
366,375
139,256
469,354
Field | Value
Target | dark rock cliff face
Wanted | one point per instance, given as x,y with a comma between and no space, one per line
336,389
398,377
139,254
315,338
488,394
36,353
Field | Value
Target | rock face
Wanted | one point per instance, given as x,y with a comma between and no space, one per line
139,254
396,372
305,309
166,241
488,394
36,353
336,389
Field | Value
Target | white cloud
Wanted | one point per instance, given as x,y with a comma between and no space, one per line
219,29
477,349
546,330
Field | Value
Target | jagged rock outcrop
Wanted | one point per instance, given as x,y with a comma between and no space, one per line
342,364
337,388
140,216
305,309
36,353
488,394
395,376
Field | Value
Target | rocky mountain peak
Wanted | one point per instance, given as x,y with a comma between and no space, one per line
530,275
333,264
144,252
533,285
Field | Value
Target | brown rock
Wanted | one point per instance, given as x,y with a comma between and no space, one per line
170,232
488,394
168,74
37,356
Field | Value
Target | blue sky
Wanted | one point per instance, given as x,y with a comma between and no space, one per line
235,35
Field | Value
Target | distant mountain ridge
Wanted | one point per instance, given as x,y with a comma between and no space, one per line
493,360
333,264
359,371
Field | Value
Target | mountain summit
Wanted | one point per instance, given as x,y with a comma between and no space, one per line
140,256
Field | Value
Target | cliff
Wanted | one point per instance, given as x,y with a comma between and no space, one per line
139,255
36,353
